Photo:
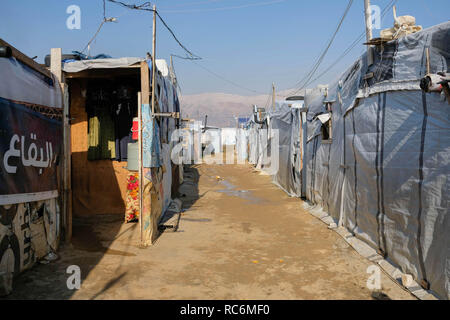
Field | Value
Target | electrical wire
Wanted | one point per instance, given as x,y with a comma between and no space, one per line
195,3
258,4
226,80
146,6
308,77
352,45
95,35
267,104
191,55
229,81
105,19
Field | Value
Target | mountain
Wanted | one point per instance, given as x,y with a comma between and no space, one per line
222,108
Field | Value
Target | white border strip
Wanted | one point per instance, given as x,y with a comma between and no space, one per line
27,197
369,253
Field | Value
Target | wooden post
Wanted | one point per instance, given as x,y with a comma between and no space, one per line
368,16
154,61
26,60
144,99
273,96
172,73
140,174
56,69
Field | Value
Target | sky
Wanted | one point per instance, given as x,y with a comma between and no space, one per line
250,43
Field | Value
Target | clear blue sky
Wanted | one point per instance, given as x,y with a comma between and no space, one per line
250,45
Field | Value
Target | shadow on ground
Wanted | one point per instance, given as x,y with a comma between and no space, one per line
94,238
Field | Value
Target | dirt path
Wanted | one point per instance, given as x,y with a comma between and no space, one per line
239,238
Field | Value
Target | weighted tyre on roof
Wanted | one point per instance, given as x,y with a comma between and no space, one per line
63,57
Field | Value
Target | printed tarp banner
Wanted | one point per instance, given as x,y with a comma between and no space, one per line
151,147
30,147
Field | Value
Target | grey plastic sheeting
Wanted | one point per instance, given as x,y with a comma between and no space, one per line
286,121
23,84
109,63
385,174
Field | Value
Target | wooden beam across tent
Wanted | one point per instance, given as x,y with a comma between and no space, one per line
26,60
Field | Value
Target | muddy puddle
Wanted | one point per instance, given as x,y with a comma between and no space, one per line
230,189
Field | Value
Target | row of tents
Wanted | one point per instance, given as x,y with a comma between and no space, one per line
372,149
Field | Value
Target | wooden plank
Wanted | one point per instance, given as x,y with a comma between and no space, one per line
144,99
67,161
56,70
8,199
170,222
167,114
26,60
104,73
56,65
145,83
154,60
140,166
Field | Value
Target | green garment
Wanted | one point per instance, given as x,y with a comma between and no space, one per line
101,136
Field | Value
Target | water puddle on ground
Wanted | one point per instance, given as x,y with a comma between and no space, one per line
230,189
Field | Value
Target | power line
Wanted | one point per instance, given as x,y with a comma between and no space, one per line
146,6
226,80
352,45
225,8
266,105
195,3
99,27
184,58
322,56
192,56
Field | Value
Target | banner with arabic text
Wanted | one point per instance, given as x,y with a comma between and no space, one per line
30,151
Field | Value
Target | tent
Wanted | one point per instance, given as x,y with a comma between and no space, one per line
30,164
377,154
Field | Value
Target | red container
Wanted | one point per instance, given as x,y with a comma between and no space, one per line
135,129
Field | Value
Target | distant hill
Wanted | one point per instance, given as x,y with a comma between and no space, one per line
222,108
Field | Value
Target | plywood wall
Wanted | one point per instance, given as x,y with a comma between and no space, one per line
99,187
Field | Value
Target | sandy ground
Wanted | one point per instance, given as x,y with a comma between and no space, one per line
240,237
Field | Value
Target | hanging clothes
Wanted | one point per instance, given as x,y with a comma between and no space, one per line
122,122
93,138
101,135
107,136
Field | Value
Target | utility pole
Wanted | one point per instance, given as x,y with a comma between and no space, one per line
154,61
368,16
273,96
172,73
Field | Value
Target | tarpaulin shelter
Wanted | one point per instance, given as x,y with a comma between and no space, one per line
383,173
377,154
285,125
105,98
30,163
